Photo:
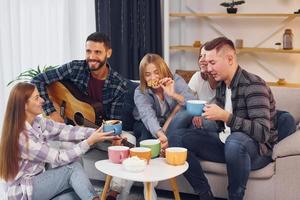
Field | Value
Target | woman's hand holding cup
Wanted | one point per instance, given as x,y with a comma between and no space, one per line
100,136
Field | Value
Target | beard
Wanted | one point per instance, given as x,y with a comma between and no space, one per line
100,63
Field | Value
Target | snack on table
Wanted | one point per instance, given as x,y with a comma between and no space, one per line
134,164
153,83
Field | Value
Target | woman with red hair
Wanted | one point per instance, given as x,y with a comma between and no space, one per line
25,151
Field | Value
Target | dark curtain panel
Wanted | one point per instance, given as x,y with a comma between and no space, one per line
134,27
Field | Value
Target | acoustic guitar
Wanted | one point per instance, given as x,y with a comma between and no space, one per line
78,108
74,106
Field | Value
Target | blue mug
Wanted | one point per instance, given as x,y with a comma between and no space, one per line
195,107
113,125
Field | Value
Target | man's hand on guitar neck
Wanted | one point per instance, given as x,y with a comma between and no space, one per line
55,116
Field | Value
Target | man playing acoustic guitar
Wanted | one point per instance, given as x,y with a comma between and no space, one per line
94,77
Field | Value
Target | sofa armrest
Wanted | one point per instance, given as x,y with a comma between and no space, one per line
288,146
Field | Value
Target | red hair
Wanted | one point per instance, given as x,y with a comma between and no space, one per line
13,125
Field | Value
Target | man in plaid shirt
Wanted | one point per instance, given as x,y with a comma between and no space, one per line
93,76
246,117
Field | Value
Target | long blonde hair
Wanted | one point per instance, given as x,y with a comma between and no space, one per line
156,60
13,125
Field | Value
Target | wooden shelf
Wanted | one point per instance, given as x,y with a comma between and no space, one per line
290,85
184,48
233,15
240,50
266,50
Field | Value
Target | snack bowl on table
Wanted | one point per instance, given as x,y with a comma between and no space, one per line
134,164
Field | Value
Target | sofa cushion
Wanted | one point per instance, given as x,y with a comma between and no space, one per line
127,116
288,147
185,74
220,168
288,99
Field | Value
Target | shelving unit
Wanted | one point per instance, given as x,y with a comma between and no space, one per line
256,49
290,85
240,50
184,48
290,16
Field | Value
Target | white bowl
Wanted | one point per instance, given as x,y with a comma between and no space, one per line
134,164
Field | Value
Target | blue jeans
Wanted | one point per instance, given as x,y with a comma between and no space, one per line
286,124
65,182
181,124
182,120
240,153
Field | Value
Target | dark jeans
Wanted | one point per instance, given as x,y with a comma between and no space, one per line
141,132
286,124
240,153
181,120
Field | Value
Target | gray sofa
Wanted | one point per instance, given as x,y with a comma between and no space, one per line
280,180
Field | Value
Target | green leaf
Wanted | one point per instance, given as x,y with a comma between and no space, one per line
30,73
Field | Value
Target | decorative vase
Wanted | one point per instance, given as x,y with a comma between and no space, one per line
231,10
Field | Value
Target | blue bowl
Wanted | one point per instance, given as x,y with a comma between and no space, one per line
195,107
113,125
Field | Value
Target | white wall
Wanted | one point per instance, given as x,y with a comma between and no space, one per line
184,31
35,32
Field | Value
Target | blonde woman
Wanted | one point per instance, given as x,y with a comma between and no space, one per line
158,98
25,151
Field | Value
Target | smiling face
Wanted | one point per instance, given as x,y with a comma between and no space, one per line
218,65
96,55
202,63
33,106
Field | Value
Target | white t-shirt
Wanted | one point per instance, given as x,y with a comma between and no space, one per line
228,107
202,88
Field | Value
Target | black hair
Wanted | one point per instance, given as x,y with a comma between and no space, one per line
99,37
218,43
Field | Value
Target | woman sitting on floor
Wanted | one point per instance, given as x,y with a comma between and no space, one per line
25,151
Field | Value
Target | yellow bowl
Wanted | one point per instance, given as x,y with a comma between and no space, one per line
141,152
176,155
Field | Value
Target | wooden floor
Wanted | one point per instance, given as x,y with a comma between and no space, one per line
136,193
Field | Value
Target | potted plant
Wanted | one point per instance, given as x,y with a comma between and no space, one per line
231,9
29,74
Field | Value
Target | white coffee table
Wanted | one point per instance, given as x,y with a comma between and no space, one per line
157,170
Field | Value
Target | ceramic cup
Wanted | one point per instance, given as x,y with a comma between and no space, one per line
176,155
141,152
116,154
113,125
195,107
153,144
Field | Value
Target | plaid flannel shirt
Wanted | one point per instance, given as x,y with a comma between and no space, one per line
253,109
35,152
78,73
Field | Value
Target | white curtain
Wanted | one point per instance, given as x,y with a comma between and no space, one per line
41,32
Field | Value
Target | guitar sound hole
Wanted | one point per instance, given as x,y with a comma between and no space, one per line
79,119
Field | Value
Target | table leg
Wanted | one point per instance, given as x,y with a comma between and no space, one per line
175,188
148,191
106,187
